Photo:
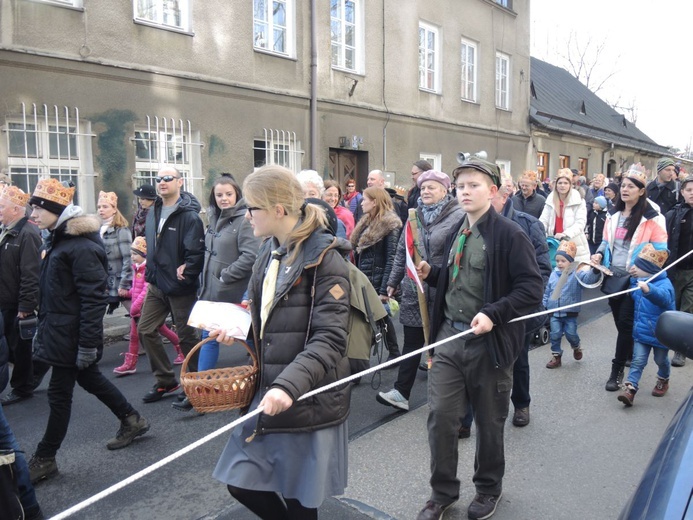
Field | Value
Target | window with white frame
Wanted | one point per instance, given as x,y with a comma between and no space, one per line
48,142
504,166
505,3
63,3
429,57
468,57
167,14
346,29
434,159
166,142
273,26
277,147
502,81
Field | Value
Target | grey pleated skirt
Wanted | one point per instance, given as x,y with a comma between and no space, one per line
308,467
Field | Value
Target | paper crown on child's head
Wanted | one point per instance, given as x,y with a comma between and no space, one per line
638,174
51,195
139,246
567,249
651,260
14,195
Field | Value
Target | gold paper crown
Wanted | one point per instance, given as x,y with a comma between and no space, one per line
14,195
109,197
140,245
54,191
529,175
568,247
654,256
565,172
637,172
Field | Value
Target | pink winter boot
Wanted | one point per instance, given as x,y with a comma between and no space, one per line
180,357
129,366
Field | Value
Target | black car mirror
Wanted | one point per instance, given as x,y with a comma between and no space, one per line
675,331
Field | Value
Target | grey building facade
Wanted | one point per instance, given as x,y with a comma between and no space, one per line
105,93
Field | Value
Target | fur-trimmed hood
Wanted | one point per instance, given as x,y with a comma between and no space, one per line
82,225
369,232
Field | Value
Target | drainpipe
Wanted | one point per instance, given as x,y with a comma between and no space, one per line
313,85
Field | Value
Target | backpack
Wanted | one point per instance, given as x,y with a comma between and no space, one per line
366,320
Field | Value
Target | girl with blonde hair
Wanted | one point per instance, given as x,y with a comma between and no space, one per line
285,463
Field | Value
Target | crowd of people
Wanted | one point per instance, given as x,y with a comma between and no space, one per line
476,252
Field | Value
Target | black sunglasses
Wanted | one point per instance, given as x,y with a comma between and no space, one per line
250,211
166,178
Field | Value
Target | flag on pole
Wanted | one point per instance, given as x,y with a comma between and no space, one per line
411,268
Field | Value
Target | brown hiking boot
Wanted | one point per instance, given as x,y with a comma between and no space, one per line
577,353
555,361
628,394
661,387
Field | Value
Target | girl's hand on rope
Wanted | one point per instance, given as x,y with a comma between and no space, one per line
276,401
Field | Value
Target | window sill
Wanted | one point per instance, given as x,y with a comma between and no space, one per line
64,6
169,28
275,54
503,109
349,71
501,7
469,101
429,91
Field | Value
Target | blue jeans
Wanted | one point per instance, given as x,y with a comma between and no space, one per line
8,442
640,354
209,354
564,325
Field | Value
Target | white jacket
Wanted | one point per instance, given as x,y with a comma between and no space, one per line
574,221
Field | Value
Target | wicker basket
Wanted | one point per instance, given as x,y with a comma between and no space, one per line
219,389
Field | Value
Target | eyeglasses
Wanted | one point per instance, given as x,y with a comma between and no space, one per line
250,211
166,178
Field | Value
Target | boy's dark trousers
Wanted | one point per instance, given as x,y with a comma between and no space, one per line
463,374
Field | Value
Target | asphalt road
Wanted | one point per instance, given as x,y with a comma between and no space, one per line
183,489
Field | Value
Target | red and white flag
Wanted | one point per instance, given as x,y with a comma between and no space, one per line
411,268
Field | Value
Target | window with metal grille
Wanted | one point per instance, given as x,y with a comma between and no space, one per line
166,14
278,147
166,142
48,142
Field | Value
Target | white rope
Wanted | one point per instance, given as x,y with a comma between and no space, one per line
149,469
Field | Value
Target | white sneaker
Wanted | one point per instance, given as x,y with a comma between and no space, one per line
393,398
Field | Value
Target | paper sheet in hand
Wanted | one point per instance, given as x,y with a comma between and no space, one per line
218,315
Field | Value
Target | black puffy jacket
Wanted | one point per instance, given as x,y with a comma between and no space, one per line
375,246
181,241
305,335
72,292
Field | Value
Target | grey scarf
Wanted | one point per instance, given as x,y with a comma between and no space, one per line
430,212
